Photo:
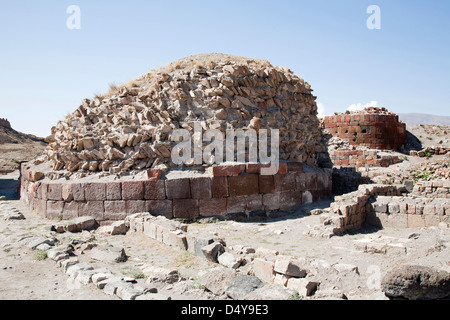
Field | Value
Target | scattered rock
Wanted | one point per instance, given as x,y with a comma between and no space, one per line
108,254
116,228
212,251
303,286
229,260
80,224
216,279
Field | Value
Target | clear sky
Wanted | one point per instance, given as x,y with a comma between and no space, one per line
47,69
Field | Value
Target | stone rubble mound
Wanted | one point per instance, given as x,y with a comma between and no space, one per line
130,127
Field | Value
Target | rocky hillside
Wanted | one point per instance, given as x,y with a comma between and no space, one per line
17,146
415,119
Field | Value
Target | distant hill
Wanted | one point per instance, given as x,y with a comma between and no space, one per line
414,119
9,135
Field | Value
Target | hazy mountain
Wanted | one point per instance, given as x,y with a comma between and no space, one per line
414,119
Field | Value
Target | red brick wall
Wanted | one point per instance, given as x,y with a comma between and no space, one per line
231,190
377,131
361,158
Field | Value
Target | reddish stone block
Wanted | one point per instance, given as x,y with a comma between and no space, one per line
78,192
41,191
178,189
133,190
155,190
113,191
34,176
254,203
40,207
323,181
256,167
70,210
266,184
136,206
243,185
271,201
236,204
201,188
290,200
219,187
213,207
154,174
283,168
295,167
54,210
94,209
300,182
160,208
67,194
284,182
311,181
185,208
227,170
54,192
94,191
116,210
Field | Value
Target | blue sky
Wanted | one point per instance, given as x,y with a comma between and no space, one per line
46,69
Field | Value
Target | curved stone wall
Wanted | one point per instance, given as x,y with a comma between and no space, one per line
376,131
235,191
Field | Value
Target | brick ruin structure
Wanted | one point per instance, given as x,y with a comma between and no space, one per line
374,128
359,140
112,156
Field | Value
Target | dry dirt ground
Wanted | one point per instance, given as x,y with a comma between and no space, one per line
339,263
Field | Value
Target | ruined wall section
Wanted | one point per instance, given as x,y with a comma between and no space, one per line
375,131
238,192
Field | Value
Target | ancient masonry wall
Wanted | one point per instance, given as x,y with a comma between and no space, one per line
362,158
383,206
235,191
5,123
376,131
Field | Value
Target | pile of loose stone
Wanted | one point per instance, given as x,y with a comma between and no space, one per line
368,110
130,127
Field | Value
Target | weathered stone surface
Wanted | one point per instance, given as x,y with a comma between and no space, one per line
229,260
416,283
263,269
108,254
212,251
116,228
215,280
239,287
290,268
80,224
303,286
270,292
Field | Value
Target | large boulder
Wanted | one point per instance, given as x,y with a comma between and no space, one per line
416,283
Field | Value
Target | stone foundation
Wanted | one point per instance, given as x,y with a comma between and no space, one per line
233,191
382,206
362,158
